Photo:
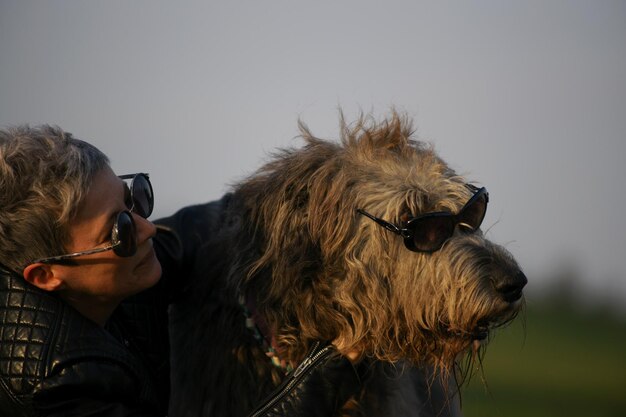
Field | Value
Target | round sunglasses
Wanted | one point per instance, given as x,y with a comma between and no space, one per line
428,232
140,200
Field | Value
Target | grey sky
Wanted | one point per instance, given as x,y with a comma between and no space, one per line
525,97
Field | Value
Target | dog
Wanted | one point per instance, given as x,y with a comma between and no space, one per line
371,242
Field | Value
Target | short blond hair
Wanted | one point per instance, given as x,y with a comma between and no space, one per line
44,175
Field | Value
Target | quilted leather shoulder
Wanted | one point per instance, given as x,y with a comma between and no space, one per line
28,319
42,339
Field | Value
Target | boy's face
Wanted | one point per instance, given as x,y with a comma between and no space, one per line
106,277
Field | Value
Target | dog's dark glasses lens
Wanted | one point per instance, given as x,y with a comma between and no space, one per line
124,235
428,232
473,214
141,194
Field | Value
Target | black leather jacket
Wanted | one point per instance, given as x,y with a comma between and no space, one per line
55,362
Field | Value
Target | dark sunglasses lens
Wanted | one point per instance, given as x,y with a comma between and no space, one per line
143,197
124,235
474,212
429,233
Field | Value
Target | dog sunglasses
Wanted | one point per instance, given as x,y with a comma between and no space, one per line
428,232
124,233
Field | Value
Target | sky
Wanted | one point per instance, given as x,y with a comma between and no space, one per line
527,98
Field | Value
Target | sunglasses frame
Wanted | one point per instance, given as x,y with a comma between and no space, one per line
134,177
407,233
115,241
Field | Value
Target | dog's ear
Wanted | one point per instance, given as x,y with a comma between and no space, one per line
277,222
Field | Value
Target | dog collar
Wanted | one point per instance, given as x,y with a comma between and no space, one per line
257,325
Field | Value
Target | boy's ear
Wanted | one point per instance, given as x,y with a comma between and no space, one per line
42,276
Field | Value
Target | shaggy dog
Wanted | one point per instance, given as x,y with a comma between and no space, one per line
371,243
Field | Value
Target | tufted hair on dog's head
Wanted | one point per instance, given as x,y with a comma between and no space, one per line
318,270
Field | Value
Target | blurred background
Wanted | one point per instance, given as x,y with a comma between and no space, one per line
525,97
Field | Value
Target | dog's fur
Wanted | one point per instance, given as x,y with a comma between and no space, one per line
292,241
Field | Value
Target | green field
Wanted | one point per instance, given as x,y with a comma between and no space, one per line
562,361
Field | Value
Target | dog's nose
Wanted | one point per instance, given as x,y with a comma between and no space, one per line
510,287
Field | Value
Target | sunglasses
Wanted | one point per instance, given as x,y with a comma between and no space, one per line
140,200
428,232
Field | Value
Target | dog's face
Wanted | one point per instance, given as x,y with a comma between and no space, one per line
340,275
442,299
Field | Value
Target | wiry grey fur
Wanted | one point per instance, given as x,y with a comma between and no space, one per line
293,242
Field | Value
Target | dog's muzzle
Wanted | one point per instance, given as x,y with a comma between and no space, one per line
510,286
